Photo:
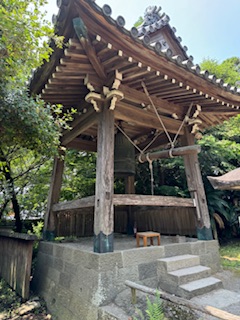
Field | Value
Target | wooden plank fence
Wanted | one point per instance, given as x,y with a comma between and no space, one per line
16,260
166,220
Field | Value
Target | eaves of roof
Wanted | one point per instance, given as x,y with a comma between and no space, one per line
183,70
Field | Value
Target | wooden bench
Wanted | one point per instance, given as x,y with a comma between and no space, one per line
145,236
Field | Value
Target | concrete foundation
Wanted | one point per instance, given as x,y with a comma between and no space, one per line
75,282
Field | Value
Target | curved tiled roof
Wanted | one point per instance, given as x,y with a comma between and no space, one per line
228,181
142,37
174,82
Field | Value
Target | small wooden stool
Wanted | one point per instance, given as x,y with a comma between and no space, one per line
145,236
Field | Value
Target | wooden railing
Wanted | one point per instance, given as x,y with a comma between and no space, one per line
16,260
209,310
127,200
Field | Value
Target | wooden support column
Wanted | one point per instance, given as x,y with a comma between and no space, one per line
53,197
130,189
103,213
196,189
130,185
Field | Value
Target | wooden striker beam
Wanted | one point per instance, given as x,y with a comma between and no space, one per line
170,153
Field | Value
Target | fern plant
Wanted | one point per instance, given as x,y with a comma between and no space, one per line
154,310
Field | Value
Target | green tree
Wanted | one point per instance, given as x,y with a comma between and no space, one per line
138,22
78,181
228,70
22,48
79,175
28,128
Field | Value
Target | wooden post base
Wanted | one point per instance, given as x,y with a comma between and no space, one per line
145,236
204,233
48,235
103,243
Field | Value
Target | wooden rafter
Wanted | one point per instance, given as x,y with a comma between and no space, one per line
92,56
79,126
133,48
219,110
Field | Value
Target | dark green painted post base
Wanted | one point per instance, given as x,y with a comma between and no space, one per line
103,243
204,233
48,235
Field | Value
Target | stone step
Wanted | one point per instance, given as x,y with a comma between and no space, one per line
198,287
177,262
112,312
184,275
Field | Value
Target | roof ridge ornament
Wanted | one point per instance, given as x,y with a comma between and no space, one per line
151,15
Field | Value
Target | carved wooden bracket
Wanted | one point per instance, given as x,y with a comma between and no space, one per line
195,122
114,96
117,80
94,98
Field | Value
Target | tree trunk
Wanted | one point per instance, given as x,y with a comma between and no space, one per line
16,209
11,190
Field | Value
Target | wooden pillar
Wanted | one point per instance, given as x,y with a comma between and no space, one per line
196,189
131,219
53,197
130,185
103,213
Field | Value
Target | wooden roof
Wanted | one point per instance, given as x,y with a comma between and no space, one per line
228,181
171,78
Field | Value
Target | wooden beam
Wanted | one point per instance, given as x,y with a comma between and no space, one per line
72,56
78,69
79,126
64,92
162,106
82,145
160,142
92,56
176,152
74,204
144,118
72,83
103,213
127,200
216,110
142,200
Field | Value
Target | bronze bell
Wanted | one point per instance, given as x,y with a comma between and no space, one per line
124,156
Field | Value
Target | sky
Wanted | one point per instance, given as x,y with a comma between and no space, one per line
209,28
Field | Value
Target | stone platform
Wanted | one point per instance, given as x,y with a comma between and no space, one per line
75,281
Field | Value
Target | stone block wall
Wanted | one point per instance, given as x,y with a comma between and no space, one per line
74,282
